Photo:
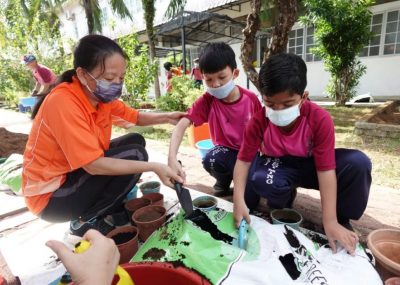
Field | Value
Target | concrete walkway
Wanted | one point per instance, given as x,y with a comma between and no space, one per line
18,227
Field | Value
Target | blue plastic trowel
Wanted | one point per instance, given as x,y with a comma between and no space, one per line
241,241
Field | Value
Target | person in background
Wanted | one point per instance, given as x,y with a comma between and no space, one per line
296,140
72,170
195,74
45,78
168,69
227,108
96,265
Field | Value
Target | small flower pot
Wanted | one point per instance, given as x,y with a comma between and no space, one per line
287,217
150,187
385,246
135,204
148,219
132,194
126,239
155,198
205,203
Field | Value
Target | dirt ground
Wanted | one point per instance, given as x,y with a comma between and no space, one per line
11,142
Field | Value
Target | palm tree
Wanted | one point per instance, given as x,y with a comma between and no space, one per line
149,11
93,13
287,14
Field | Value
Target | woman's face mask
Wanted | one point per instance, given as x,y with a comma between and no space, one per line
283,118
222,91
106,91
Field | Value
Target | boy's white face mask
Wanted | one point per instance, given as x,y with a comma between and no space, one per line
222,91
283,118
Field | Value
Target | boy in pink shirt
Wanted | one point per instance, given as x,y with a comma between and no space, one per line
291,143
226,107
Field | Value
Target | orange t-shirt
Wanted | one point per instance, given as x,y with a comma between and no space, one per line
67,133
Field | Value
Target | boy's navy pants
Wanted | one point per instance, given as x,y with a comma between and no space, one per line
220,162
276,178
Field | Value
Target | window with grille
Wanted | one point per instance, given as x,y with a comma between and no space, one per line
392,33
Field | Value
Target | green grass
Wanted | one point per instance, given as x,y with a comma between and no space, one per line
383,152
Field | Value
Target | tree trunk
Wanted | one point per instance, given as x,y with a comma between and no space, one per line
252,27
287,18
89,15
149,11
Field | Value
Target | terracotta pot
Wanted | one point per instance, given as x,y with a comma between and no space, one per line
155,198
126,239
150,187
196,134
385,246
135,204
148,219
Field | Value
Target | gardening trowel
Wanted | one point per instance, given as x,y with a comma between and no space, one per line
184,199
241,241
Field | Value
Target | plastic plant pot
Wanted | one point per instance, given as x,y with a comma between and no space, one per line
135,204
287,217
148,219
199,133
155,198
150,187
126,239
205,203
385,246
162,273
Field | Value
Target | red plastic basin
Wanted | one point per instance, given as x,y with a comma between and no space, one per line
162,273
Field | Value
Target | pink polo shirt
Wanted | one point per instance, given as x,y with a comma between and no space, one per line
44,75
227,121
312,135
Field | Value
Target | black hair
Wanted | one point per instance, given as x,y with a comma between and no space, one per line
90,51
167,65
216,57
283,72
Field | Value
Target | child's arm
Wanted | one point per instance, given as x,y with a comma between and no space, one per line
239,181
334,231
176,140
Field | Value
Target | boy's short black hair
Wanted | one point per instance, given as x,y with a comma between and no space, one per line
216,57
283,72
167,65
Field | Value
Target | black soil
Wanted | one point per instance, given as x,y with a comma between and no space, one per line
123,237
204,222
154,254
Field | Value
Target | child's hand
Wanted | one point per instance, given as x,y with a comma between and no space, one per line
176,166
240,212
335,232
167,175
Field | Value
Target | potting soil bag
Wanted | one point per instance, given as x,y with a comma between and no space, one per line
11,172
275,254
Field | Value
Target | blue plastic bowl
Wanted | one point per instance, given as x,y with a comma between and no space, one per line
204,146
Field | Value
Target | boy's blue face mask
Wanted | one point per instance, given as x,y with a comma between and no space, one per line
222,91
106,91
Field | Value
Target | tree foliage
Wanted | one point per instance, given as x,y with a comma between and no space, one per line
341,31
140,71
34,29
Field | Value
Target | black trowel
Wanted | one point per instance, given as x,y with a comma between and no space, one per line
184,199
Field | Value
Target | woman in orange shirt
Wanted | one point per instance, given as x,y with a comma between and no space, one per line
72,170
